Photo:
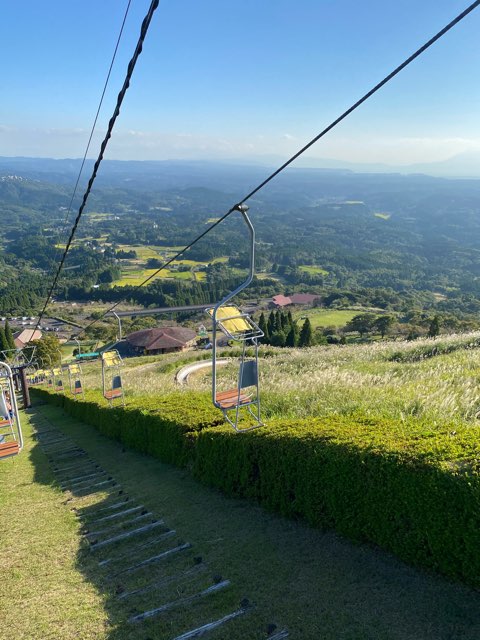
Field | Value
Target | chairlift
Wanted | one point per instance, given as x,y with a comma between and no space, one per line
239,327
11,438
75,379
57,379
111,376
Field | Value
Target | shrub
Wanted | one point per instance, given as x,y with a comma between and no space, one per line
415,492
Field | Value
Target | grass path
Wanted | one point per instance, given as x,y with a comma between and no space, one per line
313,583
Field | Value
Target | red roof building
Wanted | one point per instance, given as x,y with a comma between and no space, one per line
303,298
161,340
24,337
281,301
296,298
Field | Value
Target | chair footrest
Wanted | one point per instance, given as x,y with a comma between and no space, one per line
9,449
116,393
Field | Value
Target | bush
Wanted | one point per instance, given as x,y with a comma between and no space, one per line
415,491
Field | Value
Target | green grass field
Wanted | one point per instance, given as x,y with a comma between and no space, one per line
313,270
312,583
326,317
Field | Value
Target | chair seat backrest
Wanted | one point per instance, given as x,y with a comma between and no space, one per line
248,374
117,382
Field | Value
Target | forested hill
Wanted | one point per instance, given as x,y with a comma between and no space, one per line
315,228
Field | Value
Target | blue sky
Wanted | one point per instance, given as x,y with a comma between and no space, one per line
241,79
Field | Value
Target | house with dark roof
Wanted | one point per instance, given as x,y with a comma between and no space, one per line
303,298
161,340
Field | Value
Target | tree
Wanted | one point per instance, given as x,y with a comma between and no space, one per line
305,339
271,323
278,321
262,324
47,351
3,342
383,324
9,336
361,323
278,339
291,340
434,328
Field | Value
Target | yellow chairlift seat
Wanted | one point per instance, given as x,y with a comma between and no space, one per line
234,323
75,379
111,379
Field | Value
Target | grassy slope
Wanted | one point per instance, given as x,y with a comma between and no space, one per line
393,380
314,583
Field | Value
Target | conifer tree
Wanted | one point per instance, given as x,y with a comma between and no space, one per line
262,324
3,342
9,336
291,340
278,339
305,339
285,322
271,323
278,321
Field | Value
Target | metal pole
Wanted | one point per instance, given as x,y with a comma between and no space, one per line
119,326
242,209
24,384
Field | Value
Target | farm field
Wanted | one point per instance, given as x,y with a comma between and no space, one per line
312,583
135,272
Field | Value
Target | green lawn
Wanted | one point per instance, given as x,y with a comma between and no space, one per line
326,317
313,269
312,583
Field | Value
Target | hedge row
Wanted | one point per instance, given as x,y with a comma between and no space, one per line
415,492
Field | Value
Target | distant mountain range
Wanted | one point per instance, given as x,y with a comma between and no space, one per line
171,173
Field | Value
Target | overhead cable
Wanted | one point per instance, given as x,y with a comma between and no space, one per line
333,124
131,66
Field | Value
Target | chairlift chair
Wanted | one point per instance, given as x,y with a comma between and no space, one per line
57,379
11,438
111,376
239,327
75,379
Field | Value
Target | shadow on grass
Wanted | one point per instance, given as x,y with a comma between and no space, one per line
325,587
134,559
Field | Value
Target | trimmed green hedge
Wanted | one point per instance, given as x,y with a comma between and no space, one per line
412,490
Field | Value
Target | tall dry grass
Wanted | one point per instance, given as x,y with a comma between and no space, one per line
397,380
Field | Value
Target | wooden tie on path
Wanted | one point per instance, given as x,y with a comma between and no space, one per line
136,551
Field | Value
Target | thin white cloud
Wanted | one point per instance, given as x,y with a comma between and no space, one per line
154,145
